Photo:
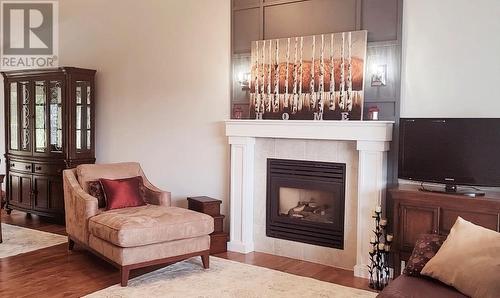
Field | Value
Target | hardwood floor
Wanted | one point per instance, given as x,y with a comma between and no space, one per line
56,272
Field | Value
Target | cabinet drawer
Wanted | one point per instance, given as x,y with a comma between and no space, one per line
21,166
488,220
48,169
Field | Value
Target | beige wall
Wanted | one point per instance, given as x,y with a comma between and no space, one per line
162,86
451,65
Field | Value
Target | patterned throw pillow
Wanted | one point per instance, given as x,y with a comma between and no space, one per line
426,247
95,190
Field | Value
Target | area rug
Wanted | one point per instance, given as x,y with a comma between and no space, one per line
227,279
18,240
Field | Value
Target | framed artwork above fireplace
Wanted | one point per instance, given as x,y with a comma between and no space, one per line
309,77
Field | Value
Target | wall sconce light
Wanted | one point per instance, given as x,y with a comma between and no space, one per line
244,80
379,75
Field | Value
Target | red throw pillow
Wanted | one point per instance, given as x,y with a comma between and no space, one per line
122,193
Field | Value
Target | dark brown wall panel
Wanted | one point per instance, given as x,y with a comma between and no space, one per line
387,109
241,65
268,19
245,29
245,3
309,17
382,55
285,18
380,18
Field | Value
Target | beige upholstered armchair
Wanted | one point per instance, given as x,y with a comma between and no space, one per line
133,237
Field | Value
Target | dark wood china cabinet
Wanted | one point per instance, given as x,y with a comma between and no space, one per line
49,127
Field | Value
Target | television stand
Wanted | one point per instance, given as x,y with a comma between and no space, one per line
412,212
452,189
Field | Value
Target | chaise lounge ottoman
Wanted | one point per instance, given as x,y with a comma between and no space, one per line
133,237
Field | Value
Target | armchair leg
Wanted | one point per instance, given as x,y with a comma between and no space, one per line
71,244
124,272
205,259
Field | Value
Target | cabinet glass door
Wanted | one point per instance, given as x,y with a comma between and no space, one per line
14,120
40,117
83,116
25,98
55,116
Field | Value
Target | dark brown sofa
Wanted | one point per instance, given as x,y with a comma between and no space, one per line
418,287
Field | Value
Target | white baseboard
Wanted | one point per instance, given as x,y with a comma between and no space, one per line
240,247
361,271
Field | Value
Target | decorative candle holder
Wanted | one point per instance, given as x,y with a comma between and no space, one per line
379,253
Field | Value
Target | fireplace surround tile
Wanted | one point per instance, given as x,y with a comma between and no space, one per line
289,249
321,150
261,243
290,149
362,145
327,151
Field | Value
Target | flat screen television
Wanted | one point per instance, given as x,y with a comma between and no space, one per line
451,151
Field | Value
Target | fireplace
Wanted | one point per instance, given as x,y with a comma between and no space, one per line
305,201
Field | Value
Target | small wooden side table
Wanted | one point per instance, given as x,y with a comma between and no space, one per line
211,206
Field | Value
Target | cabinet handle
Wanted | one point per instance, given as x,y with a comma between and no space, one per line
27,167
12,165
38,168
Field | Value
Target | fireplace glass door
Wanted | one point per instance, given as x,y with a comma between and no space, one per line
307,204
305,201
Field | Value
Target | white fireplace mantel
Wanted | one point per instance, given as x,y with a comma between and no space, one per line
371,131
372,142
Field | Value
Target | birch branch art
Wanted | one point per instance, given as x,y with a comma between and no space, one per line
309,77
